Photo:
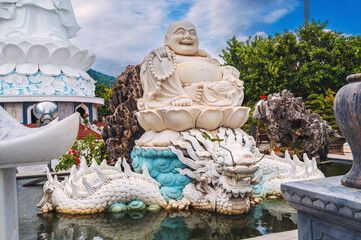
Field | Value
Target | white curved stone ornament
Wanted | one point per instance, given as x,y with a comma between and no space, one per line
20,145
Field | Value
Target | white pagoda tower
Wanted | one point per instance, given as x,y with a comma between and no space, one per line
38,62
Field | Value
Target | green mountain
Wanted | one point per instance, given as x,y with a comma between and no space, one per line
101,78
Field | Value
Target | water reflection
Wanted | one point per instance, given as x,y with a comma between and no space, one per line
103,226
280,209
270,216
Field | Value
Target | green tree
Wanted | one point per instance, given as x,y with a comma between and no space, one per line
323,105
310,60
102,91
101,78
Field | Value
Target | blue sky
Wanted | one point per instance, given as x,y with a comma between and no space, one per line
123,32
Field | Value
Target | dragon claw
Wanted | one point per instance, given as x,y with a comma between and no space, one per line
182,204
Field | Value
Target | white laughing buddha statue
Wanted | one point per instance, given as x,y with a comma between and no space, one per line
181,74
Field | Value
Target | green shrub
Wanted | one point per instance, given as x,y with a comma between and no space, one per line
88,148
322,104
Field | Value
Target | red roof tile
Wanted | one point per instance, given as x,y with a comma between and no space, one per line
82,133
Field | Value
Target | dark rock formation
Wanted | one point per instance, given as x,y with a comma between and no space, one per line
121,128
290,124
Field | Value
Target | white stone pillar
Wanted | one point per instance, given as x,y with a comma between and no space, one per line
8,205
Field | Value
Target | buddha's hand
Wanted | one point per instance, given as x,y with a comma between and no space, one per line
229,71
194,91
231,74
162,52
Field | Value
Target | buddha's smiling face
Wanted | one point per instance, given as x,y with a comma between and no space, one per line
182,38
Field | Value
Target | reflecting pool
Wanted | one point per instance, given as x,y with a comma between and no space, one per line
269,217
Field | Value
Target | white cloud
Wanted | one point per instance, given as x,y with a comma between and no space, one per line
275,15
122,32
218,20
119,32
261,34
243,38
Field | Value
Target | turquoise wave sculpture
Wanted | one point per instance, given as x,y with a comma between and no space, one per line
15,84
258,189
161,166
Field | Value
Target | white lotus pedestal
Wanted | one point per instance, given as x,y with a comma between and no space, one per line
20,146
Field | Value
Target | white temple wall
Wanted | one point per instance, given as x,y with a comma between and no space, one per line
15,110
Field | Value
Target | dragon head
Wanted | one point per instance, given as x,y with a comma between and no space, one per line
237,169
45,203
227,167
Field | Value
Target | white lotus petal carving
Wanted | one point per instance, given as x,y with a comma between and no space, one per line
79,58
49,56
86,65
179,120
60,56
210,119
13,54
25,46
7,68
38,54
69,71
245,118
154,121
49,69
236,118
27,68
84,75
192,117
51,47
73,49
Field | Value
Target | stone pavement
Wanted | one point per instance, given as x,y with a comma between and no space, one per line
289,235
36,168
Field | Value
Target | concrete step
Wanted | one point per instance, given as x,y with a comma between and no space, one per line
289,235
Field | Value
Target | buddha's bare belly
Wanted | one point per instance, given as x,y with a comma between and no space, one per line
196,71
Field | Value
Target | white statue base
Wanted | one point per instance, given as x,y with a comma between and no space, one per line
8,205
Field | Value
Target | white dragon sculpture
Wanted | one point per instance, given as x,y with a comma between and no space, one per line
94,189
224,170
224,164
